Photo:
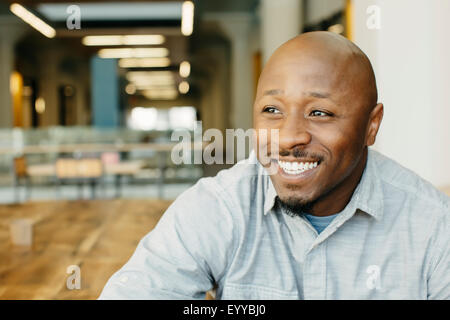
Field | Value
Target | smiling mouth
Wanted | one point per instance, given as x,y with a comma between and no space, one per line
295,168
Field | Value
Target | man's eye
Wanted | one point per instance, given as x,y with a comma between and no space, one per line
271,109
318,113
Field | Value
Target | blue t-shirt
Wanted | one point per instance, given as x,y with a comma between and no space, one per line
320,223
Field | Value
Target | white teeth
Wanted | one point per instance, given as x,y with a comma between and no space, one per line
297,167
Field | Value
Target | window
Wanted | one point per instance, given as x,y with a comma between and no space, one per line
182,117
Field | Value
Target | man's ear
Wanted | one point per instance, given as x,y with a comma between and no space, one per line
374,124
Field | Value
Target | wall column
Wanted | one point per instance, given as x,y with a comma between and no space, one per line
49,81
10,31
237,28
412,65
281,20
105,92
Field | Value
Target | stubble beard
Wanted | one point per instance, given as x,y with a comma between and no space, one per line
294,206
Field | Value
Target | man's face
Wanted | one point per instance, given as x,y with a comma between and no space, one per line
322,119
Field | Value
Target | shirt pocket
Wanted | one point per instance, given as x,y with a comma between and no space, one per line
233,291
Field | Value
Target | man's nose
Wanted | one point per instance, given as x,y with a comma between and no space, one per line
294,132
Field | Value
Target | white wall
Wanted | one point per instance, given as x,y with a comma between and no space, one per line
317,10
411,57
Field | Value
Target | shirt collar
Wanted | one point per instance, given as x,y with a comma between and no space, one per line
271,194
368,196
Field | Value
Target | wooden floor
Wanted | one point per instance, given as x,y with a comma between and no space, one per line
99,236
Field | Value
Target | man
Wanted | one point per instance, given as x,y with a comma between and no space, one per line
336,220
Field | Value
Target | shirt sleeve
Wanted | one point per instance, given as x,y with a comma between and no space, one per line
438,282
185,254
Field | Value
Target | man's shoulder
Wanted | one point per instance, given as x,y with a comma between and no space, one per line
242,174
399,179
233,183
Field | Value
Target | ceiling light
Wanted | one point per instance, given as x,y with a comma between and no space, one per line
123,40
183,87
147,86
153,85
130,88
144,62
147,83
336,28
15,83
32,20
145,79
148,74
143,39
187,18
161,94
133,53
102,41
40,105
185,69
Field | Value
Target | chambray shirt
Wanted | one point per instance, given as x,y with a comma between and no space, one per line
390,242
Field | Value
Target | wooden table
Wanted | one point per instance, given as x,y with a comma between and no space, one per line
97,235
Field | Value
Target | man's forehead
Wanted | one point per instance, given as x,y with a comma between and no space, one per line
305,79
310,63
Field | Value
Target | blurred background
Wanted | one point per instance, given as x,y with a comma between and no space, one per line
91,92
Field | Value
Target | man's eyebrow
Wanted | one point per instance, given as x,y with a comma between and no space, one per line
320,95
273,92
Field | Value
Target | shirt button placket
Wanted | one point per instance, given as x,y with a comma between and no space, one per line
314,277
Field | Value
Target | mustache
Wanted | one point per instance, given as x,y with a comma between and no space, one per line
300,153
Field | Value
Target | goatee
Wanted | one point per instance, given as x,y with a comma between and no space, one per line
294,207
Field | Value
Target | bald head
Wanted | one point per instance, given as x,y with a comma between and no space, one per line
335,55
